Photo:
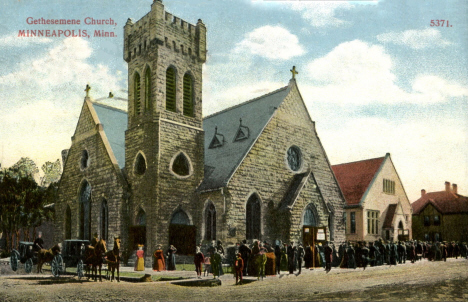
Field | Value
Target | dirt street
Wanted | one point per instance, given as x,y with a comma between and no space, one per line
423,281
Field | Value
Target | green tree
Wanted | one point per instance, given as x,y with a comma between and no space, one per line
52,172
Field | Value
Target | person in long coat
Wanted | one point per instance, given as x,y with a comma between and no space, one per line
328,251
300,257
351,253
284,258
140,263
308,256
216,265
245,254
159,263
278,259
199,259
239,267
291,258
171,263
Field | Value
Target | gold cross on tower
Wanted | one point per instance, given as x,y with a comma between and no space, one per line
87,89
294,72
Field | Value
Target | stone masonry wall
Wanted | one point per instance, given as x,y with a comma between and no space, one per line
105,181
265,172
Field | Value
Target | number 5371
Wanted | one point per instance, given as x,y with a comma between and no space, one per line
440,23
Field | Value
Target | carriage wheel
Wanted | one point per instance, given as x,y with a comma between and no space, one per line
28,265
14,261
56,266
80,269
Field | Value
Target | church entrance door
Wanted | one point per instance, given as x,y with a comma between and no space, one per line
312,235
182,235
137,235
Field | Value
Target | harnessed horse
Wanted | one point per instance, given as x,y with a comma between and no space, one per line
95,258
113,259
46,256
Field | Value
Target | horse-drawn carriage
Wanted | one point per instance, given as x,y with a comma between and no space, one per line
24,255
73,253
27,256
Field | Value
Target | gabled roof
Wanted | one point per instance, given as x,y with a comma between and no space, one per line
389,218
114,123
355,178
223,160
294,190
445,202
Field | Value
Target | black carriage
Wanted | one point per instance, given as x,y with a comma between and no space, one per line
24,255
73,253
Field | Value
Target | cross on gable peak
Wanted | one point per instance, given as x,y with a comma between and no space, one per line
294,72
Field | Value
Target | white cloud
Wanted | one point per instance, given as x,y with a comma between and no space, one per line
416,39
323,13
357,72
12,40
425,153
44,97
271,42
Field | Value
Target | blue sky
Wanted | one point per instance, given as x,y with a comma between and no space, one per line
376,77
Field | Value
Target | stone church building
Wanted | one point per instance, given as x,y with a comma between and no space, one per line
161,173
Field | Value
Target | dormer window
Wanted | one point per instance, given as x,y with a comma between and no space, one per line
242,133
217,141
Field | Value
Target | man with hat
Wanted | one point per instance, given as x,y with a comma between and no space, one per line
328,251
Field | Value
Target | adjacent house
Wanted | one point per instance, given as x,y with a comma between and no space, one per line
441,216
376,202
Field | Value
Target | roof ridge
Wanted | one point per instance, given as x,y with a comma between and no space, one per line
358,161
108,107
246,102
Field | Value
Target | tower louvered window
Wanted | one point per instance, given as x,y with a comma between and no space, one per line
136,93
170,89
188,95
147,88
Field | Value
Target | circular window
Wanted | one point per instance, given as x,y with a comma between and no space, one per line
181,165
294,158
84,159
140,165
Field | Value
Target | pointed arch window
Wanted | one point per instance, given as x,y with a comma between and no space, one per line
140,164
181,165
210,222
171,89
68,223
253,218
310,216
85,211
188,95
137,93
180,217
104,220
147,88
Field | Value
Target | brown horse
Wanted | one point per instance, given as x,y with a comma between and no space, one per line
44,256
113,259
94,259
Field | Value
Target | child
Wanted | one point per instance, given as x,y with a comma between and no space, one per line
207,265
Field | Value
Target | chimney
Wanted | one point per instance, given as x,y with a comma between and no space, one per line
423,192
454,188
447,187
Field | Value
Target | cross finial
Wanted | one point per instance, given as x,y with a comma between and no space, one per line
294,72
87,89
240,120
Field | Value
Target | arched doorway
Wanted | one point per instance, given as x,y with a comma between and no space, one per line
210,222
85,211
182,235
311,232
253,218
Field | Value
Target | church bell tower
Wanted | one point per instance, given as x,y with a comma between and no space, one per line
164,141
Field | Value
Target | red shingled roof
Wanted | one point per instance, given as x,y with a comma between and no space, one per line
354,178
445,202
